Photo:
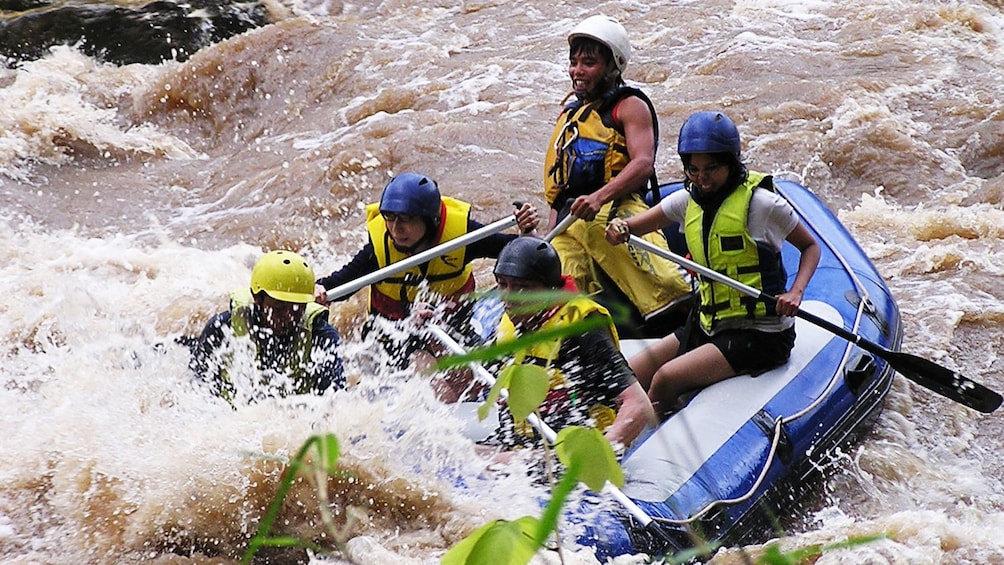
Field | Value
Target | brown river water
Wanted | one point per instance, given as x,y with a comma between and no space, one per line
134,198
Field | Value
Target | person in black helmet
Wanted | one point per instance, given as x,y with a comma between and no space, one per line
411,217
734,223
591,383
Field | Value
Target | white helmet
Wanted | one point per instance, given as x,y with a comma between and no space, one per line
609,32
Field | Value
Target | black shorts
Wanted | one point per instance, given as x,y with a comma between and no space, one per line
747,351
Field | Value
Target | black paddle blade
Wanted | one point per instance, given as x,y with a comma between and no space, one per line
944,381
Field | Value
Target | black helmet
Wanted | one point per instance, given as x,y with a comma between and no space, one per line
531,259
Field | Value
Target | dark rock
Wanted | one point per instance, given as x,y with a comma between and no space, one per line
21,5
155,32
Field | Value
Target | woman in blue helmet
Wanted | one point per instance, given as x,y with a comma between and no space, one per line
734,223
411,217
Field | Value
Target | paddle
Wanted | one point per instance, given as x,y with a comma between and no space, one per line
928,374
415,260
550,435
562,226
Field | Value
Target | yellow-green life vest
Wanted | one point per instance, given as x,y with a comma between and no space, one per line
241,303
729,249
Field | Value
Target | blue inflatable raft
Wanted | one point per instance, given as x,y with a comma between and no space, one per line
742,452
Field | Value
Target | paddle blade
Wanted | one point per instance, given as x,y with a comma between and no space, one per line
944,381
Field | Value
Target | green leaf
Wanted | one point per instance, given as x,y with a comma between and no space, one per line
284,541
493,395
329,450
501,350
588,451
497,543
528,386
559,494
773,555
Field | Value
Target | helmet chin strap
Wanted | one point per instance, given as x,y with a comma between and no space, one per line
708,200
601,90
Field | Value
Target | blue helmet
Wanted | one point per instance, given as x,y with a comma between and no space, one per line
708,132
532,259
412,194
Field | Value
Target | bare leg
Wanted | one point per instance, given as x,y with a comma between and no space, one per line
693,370
649,360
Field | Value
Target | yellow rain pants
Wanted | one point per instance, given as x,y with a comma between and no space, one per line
653,284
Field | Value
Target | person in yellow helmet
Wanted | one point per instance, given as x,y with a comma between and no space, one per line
274,332
598,165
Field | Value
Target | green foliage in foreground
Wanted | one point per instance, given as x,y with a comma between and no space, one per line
585,454
774,556
328,452
527,387
495,351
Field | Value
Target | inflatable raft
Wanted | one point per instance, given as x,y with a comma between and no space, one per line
743,454
740,454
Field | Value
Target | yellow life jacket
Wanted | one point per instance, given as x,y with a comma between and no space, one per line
561,394
241,303
447,275
728,248
587,148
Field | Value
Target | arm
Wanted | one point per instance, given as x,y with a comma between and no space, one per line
634,412
205,361
487,248
610,376
364,263
637,123
788,303
619,230
326,365
491,246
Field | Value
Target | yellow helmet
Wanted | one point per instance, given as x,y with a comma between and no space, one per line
285,276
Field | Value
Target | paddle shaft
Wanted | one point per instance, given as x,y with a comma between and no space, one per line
929,374
418,259
546,431
562,226
444,338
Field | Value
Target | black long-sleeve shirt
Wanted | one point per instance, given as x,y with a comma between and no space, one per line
365,261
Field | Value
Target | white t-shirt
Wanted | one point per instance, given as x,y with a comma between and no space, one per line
771,219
